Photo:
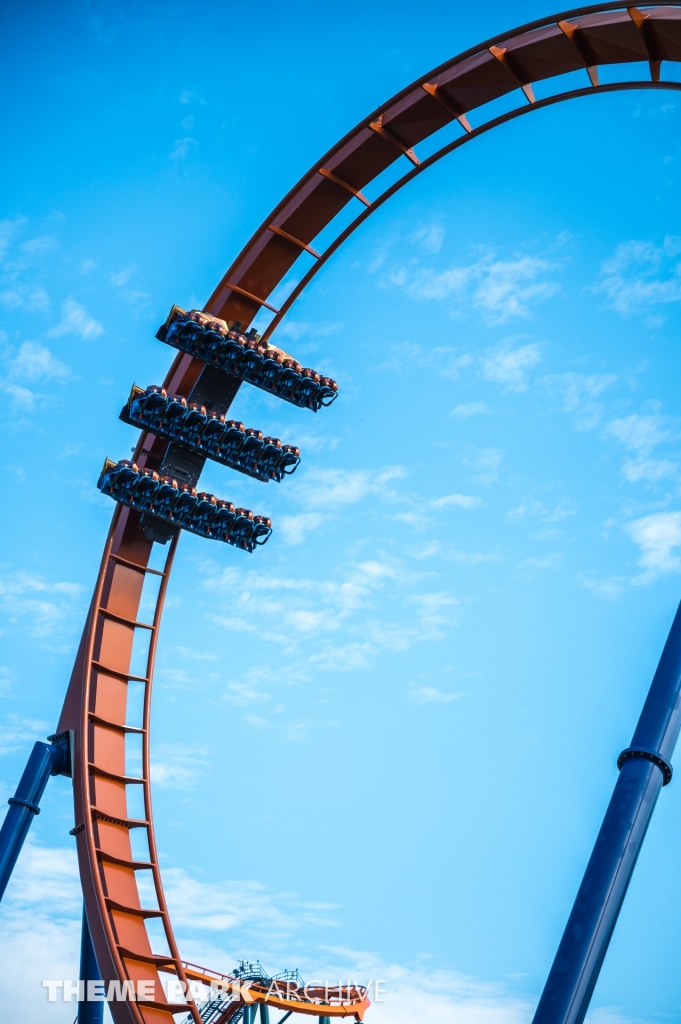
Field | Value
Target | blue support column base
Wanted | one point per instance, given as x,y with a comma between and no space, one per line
89,1012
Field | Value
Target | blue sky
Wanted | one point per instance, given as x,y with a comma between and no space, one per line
384,743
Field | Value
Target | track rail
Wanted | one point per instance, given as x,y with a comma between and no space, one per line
97,701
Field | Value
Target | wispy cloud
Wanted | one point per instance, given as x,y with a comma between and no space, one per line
485,462
9,229
34,361
430,695
297,329
579,393
499,288
301,615
296,528
469,409
17,732
76,320
217,922
659,538
609,587
456,501
37,246
120,278
176,767
335,488
642,275
182,147
29,296
544,513
641,434
45,604
508,366
428,237
419,517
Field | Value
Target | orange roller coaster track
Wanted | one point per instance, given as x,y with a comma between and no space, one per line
458,96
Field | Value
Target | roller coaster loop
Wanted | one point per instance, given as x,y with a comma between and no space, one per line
183,423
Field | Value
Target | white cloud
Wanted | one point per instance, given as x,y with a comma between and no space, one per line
642,275
641,434
34,361
457,500
297,329
17,732
9,229
439,997
437,610
539,510
24,594
545,562
610,587
182,147
500,288
176,767
218,922
469,409
23,398
243,694
428,237
76,320
300,615
429,695
36,246
25,296
652,470
40,930
334,488
508,366
486,462
296,528
659,538
579,393
118,280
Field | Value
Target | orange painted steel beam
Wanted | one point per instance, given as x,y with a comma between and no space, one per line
320,1001
96,705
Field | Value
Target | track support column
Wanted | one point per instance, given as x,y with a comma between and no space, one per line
46,759
644,769
89,1012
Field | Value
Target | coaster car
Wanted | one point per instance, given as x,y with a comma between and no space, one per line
179,504
247,357
228,442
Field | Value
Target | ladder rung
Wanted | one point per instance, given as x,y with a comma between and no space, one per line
136,865
250,295
327,173
144,958
296,241
117,672
126,622
114,820
134,565
127,779
113,725
136,911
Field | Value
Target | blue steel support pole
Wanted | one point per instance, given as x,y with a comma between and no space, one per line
89,1012
644,769
46,759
